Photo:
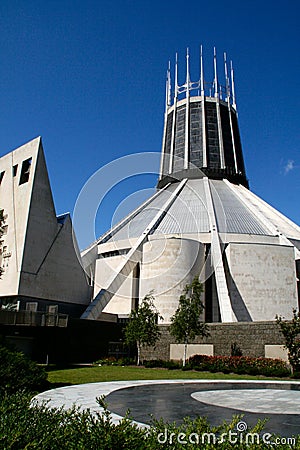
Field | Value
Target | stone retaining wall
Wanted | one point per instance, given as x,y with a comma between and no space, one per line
249,336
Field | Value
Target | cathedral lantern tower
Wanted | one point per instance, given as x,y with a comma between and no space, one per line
201,128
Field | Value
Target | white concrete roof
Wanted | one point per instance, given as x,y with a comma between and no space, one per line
237,210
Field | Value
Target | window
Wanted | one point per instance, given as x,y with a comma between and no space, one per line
1,176
25,171
112,253
31,306
15,169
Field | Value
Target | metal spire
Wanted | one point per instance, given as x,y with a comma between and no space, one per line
216,74
226,79
176,78
187,113
232,86
187,73
167,90
169,84
201,73
229,112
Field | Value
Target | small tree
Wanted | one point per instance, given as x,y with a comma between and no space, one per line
236,350
186,323
142,328
291,332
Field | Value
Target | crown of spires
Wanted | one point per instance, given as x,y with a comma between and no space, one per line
201,87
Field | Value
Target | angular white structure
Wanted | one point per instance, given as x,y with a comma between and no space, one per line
203,221
41,266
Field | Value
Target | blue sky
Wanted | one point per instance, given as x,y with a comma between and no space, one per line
89,77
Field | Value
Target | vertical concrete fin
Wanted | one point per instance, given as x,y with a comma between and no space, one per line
227,314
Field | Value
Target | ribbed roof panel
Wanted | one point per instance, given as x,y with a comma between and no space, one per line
188,214
231,214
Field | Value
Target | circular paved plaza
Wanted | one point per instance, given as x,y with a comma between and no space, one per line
172,400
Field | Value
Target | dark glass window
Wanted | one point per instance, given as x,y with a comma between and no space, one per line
112,253
227,139
237,143
168,140
196,134
212,136
179,139
25,171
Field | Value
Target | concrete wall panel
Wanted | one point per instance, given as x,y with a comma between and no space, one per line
168,265
177,350
262,280
276,351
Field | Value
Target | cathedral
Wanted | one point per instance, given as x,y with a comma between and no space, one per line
202,221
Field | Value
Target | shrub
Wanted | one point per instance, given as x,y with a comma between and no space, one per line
160,363
172,365
42,428
17,372
112,361
240,365
154,363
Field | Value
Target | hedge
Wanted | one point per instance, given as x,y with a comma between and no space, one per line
240,365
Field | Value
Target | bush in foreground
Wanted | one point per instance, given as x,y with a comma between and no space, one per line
17,372
38,427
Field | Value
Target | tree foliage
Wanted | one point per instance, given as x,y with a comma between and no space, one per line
291,332
142,328
186,323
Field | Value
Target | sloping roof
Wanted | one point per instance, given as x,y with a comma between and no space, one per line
231,213
188,214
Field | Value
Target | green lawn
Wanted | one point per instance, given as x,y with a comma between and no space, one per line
117,373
